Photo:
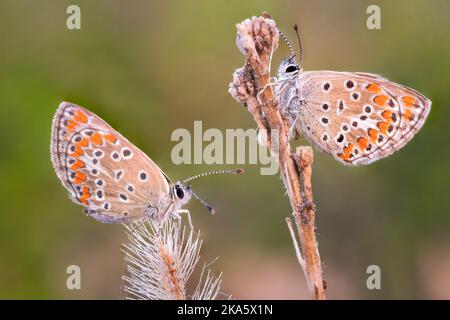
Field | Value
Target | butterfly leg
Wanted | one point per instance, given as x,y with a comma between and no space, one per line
184,211
270,84
292,133
270,58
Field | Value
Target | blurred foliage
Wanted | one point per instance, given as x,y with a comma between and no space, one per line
149,67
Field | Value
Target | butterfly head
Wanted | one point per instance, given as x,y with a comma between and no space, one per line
288,68
181,193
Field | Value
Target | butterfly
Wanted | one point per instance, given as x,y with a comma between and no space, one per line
356,117
113,179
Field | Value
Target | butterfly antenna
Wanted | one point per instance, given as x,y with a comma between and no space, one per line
204,203
236,171
287,42
300,49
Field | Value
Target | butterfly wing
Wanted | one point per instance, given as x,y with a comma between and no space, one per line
358,118
102,170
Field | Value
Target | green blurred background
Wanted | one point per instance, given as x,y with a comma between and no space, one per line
149,67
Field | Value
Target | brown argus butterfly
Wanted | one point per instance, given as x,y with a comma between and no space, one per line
108,175
356,117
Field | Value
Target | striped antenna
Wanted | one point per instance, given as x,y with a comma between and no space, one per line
236,171
300,49
204,203
287,42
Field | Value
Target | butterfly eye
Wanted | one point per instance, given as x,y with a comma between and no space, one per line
179,192
291,68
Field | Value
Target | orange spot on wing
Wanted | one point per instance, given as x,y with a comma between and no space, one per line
383,126
387,115
78,152
96,138
85,195
362,142
83,143
373,134
349,148
110,137
408,114
77,165
80,116
347,151
71,125
79,177
408,101
373,88
381,100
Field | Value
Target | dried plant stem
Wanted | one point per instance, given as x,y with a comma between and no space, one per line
305,221
257,39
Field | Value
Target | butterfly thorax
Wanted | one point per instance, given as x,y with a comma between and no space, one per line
172,202
287,91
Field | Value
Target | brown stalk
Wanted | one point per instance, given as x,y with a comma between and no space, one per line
257,39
